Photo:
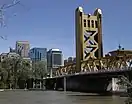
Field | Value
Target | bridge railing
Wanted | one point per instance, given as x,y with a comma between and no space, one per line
105,64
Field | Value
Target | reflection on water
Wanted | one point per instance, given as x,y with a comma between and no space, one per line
52,97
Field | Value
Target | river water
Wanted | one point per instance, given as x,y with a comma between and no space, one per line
53,97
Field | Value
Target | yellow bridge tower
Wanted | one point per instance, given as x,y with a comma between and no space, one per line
88,36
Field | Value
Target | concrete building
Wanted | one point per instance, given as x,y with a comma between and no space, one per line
54,59
69,60
65,62
38,54
22,48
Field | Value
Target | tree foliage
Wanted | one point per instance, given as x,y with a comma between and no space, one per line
16,69
40,69
126,82
12,69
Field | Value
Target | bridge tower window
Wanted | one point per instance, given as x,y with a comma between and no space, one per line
84,23
92,23
96,24
88,23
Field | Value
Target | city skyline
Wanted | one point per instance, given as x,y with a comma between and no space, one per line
15,48
38,32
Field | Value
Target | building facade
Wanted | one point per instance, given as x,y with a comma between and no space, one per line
70,60
22,48
38,54
54,59
65,62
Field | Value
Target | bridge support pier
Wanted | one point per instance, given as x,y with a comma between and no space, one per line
90,85
65,84
100,84
116,87
79,84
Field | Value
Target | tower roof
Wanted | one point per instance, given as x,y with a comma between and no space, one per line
80,9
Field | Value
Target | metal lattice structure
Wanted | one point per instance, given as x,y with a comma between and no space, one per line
88,36
106,64
89,49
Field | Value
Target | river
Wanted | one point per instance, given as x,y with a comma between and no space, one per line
53,97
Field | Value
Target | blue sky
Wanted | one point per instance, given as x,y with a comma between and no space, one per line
51,23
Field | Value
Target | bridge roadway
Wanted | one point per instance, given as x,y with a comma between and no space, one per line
92,82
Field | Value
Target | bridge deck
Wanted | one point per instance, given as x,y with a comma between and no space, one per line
110,71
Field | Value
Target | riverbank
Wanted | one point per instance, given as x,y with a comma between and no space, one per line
56,97
121,94
36,89
1,90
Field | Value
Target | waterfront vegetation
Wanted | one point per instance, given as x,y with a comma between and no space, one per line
16,69
126,82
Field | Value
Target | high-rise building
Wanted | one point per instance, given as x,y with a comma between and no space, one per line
22,48
54,59
38,54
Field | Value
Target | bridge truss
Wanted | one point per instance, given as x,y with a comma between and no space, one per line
105,64
89,37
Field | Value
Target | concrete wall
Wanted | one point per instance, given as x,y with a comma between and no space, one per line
117,87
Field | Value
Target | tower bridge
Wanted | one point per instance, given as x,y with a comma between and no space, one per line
92,71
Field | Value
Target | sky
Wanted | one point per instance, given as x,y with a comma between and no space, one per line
51,23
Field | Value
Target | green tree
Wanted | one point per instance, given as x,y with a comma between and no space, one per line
40,69
125,82
25,70
13,69
5,71
3,77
